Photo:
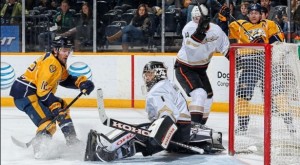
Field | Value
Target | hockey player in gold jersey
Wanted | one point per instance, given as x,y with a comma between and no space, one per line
34,91
253,30
262,31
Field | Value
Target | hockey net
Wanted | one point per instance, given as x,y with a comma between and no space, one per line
265,85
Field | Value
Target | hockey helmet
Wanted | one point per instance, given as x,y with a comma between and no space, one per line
264,10
154,71
196,12
254,6
62,42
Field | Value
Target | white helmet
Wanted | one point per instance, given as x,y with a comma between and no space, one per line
196,12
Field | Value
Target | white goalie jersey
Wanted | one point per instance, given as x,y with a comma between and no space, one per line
195,53
165,99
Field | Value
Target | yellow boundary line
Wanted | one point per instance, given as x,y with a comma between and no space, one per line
118,103
113,103
99,54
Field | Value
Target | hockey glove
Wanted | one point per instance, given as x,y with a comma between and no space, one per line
257,40
57,109
203,26
61,113
224,13
88,86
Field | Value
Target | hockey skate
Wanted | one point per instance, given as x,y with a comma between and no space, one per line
104,154
242,127
70,134
198,125
291,128
206,138
40,146
72,140
241,130
288,120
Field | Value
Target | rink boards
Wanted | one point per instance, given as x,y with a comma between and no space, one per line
120,77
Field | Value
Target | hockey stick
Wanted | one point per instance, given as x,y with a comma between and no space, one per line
249,35
129,127
199,2
26,145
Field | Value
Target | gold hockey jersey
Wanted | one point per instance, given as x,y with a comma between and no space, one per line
46,73
42,78
267,29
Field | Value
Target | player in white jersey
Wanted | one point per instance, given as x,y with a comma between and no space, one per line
200,40
166,109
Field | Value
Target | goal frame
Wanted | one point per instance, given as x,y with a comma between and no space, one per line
267,97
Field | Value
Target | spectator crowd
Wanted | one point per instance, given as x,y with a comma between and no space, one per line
46,19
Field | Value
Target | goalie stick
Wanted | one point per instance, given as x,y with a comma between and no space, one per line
129,127
28,144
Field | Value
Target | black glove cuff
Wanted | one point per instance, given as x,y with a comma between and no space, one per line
198,37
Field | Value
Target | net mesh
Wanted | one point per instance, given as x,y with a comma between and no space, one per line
285,103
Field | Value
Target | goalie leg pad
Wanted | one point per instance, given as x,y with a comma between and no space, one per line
182,135
149,147
116,144
105,155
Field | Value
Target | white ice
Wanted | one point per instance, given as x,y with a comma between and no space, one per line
16,123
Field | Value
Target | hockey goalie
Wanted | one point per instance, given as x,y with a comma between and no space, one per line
170,128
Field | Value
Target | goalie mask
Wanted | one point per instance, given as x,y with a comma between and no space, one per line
153,72
196,14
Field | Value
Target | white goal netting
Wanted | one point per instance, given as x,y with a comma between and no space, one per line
250,100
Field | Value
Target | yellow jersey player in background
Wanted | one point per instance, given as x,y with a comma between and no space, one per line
258,30
250,63
34,93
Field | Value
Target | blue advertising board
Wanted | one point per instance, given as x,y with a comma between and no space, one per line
10,39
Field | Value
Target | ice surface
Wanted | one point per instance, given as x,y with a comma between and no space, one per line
16,123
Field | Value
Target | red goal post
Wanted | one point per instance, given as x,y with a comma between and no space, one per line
264,104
